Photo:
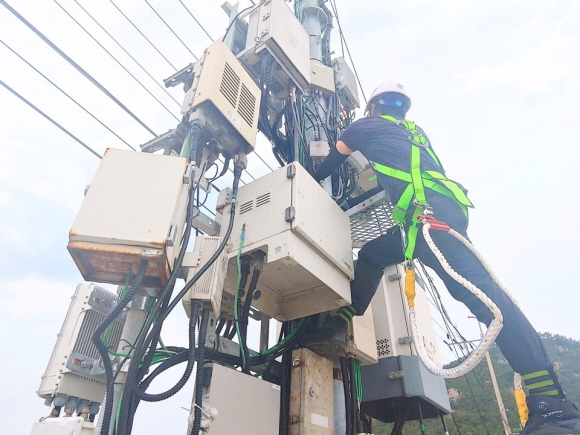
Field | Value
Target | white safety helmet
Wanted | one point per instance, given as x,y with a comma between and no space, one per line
391,87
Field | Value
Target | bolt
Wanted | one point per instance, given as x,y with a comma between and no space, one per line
296,363
311,392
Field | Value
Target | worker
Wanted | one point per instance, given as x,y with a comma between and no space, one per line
412,176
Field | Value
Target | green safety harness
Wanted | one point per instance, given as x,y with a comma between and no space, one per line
414,193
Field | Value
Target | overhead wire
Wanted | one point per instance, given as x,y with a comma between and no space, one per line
50,119
117,61
196,20
75,65
171,29
335,10
127,53
66,94
143,35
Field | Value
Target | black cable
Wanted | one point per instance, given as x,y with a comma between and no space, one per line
220,326
198,23
143,35
76,66
248,302
234,20
153,338
244,319
285,388
421,421
207,265
141,394
71,98
455,422
443,422
123,424
476,405
128,54
50,119
347,397
356,421
172,31
401,418
140,344
116,60
104,351
228,328
199,372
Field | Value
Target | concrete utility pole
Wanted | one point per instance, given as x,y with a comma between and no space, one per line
500,404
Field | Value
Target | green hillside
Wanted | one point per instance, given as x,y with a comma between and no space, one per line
473,400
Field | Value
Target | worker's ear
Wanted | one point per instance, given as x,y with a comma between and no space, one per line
371,110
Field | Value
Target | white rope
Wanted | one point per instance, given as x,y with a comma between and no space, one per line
494,328
518,381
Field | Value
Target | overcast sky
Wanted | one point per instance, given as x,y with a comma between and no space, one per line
494,84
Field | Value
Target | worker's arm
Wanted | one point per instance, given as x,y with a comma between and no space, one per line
334,159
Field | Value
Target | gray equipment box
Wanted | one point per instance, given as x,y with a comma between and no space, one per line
245,404
402,381
306,237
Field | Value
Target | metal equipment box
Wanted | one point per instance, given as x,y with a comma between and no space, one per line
245,404
311,394
345,84
364,342
210,285
273,29
74,373
391,314
227,97
306,237
134,209
399,382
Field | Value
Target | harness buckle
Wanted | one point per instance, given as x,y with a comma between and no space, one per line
435,224
427,209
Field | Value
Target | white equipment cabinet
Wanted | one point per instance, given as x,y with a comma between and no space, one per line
134,209
274,30
391,314
306,237
225,99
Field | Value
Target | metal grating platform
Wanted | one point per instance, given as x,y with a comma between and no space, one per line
371,219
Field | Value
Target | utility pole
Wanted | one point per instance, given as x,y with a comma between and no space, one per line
500,404
314,19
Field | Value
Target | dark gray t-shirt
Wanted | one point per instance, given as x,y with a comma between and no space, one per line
384,142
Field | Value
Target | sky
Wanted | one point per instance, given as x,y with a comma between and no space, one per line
494,84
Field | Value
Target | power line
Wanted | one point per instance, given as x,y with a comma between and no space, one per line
71,98
127,53
76,66
172,31
115,59
198,23
147,39
334,9
50,119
